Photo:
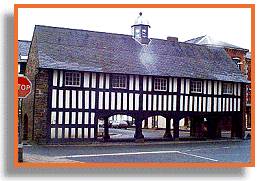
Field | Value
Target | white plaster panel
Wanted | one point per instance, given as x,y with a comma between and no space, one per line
79,119
160,102
165,103
187,88
73,99
131,82
52,133
55,77
118,101
136,101
67,101
93,99
186,103
61,79
93,80
107,81
59,132
199,107
144,83
100,101
86,79
136,82
204,104
195,103
73,118
67,118
60,117
209,104
125,100
174,102
209,87
181,103
149,83
86,118
66,132
113,100
54,98
149,102
144,101
154,102
86,99
101,81
92,117
175,85
80,99
131,101
53,117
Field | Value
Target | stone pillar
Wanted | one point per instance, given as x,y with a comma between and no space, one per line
106,135
139,137
176,128
168,134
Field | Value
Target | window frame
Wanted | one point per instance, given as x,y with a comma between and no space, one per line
160,84
73,85
228,84
119,76
195,91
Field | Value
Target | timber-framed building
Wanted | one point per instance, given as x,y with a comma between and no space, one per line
81,76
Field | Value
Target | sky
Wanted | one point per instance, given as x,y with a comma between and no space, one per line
229,25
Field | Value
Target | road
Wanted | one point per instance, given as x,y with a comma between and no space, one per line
216,151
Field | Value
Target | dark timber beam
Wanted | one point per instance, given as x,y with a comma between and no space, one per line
168,134
106,135
139,137
197,127
238,126
214,127
176,128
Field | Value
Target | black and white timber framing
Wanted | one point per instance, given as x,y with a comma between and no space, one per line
74,111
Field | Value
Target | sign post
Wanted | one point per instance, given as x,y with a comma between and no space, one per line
24,89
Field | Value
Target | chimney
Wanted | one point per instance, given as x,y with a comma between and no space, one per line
172,39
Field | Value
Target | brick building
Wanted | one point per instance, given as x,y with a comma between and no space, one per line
80,77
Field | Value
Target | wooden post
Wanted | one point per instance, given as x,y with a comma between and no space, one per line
106,135
139,137
176,128
168,134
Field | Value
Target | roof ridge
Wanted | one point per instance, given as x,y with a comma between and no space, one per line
196,38
83,30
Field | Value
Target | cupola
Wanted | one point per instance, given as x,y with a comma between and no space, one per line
140,29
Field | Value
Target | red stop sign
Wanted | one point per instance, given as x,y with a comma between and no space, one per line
24,86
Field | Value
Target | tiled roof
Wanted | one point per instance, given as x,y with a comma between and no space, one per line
23,48
209,41
70,49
